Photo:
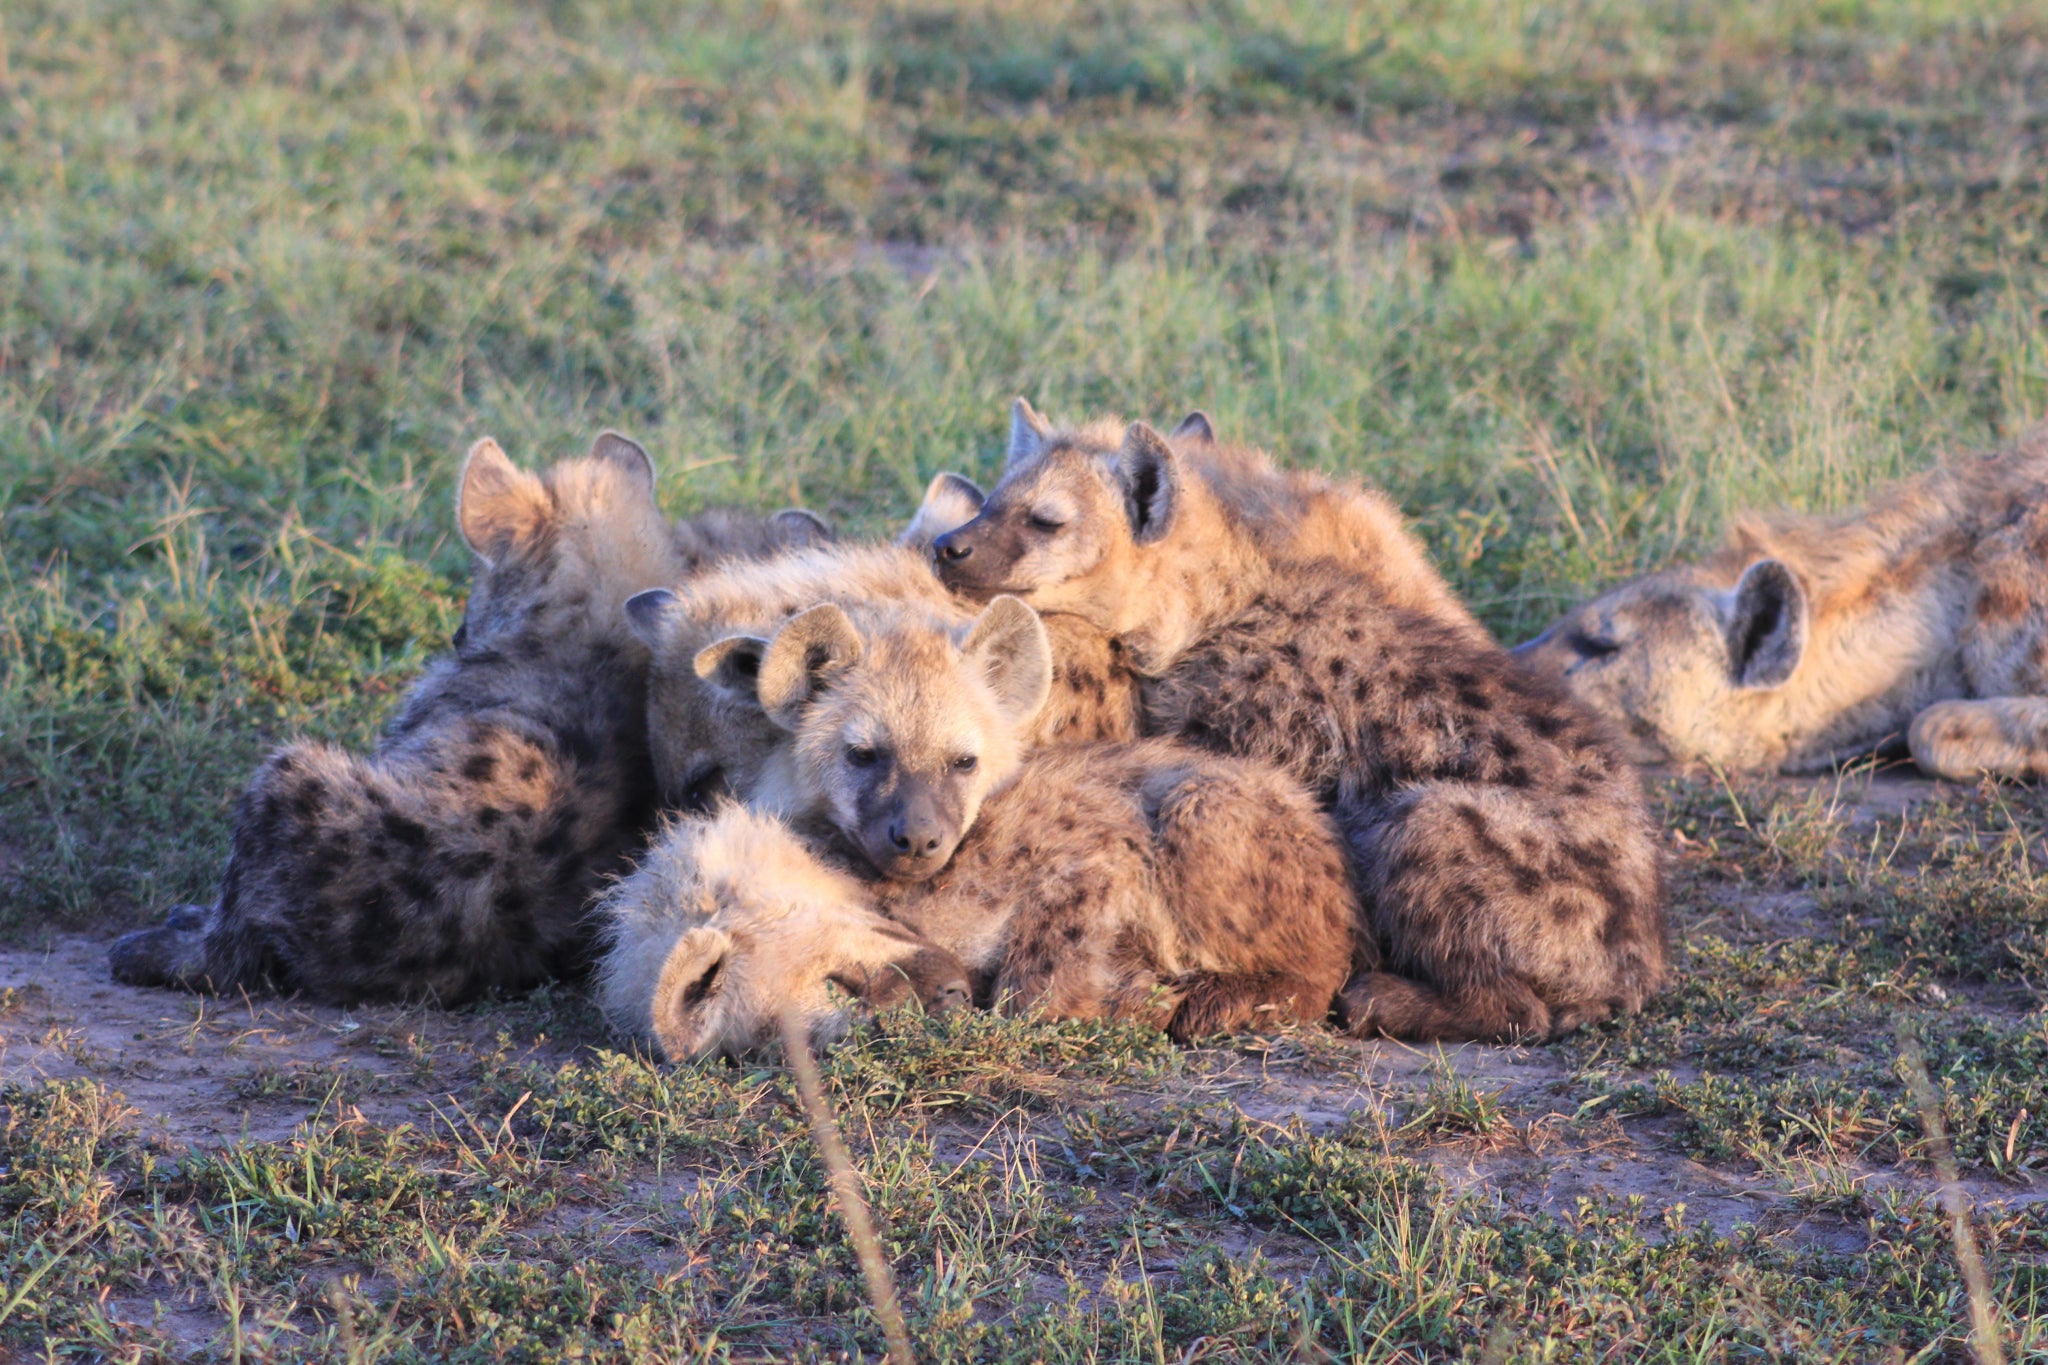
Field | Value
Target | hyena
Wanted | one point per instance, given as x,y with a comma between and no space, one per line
1144,880
1506,864
731,924
710,737
514,779
1920,622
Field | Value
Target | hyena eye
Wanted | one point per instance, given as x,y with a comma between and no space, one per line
1592,646
1039,521
861,756
966,763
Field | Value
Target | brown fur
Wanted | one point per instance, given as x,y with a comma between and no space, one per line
710,738
459,855
1507,864
1810,640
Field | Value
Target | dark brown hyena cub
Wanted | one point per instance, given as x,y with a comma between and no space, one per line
515,778
1506,862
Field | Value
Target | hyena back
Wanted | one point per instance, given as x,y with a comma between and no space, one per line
459,856
1506,863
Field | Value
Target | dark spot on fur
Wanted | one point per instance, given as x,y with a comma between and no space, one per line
480,767
411,833
488,817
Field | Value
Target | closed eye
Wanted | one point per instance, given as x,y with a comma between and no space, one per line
861,756
1592,646
1039,521
966,763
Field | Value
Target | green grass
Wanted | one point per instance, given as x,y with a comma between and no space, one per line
1573,281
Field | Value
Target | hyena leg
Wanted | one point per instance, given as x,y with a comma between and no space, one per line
1964,740
1502,913
1218,1002
1380,1003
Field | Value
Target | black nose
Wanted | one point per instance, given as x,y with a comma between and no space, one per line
951,550
918,843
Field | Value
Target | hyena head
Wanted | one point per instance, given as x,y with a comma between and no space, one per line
1685,669
898,732
1070,516
569,545
780,937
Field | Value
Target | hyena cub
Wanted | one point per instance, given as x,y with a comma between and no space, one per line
1506,864
460,854
730,924
1144,880
1920,621
709,735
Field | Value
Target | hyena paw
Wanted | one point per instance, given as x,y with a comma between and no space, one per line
1963,740
171,954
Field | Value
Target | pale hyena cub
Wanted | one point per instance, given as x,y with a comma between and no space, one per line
1506,863
709,735
1143,880
730,924
513,780
1920,621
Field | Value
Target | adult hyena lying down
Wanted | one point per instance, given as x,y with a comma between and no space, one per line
1506,862
460,854
1146,880
1810,640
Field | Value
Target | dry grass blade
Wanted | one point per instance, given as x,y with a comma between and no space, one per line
853,1205
1985,1345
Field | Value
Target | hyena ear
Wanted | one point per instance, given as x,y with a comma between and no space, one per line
646,610
733,665
684,993
1195,427
950,502
798,527
1007,644
1766,625
498,505
803,658
628,454
1028,433
1150,474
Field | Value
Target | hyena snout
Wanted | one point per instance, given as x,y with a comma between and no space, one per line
931,976
974,559
911,839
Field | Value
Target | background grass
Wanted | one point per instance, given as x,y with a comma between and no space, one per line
1573,281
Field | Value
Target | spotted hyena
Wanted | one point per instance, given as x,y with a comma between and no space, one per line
1919,623
730,925
710,737
1142,880
1506,863
514,779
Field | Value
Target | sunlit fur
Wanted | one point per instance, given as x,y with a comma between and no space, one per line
1935,596
730,925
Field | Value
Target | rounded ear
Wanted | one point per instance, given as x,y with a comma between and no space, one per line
498,505
628,454
645,610
803,658
1766,629
683,994
798,527
1195,427
950,502
733,665
1150,474
1028,433
1008,646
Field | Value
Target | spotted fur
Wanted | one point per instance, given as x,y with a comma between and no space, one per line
1506,864
458,857
1919,623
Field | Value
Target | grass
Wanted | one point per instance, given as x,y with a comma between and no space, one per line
1573,281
